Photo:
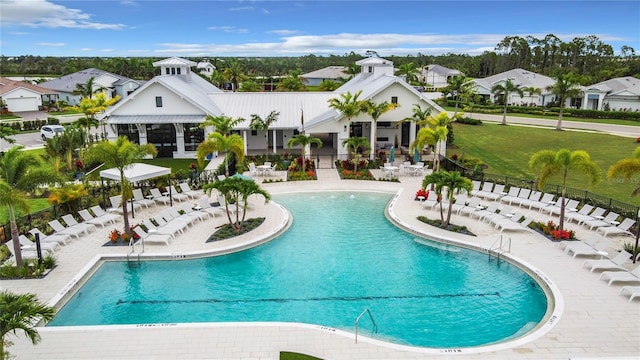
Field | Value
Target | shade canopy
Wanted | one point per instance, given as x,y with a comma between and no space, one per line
136,172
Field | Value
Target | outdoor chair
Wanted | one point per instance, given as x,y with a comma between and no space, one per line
606,221
58,228
158,197
139,198
612,264
28,245
512,194
631,291
163,230
72,222
176,195
522,195
90,219
496,193
486,189
101,214
545,200
632,276
53,238
620,229
151,238
27,254
186,189
533,198
583,213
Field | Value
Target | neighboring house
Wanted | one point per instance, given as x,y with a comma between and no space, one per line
111,84
619,94
20,96
205,68
437,76
167,110
522,78
333,73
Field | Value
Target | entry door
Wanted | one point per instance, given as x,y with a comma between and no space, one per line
163,137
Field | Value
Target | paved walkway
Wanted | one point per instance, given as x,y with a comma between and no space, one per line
592,320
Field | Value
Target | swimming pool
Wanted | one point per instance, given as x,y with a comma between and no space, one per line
340,256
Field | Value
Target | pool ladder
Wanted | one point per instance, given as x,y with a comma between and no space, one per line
133,258
375,327
499,247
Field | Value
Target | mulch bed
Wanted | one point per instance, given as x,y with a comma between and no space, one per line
226,231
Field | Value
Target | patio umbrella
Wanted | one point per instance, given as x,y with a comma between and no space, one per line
416,156
392,155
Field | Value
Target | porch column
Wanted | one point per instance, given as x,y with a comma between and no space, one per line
142,133
275,140
372,132
244,138
412,132
179,138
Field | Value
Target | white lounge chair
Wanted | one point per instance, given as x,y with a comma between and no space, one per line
158,197
27,254
593,215
152,238
163,230
90,219
632,276
471,206
116,204
631,291
61,239
476,184
58,228
138,198
190,211
611,216
512,194
613,264
590,241
101,214
496,193
178,226
621,229
534,197
515,226
486,189
596,249
545,200
72,222
480,214
186,189
522,195
173,193
584,212
205,205
555,209
27,245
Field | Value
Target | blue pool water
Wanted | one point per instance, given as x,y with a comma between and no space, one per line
340,256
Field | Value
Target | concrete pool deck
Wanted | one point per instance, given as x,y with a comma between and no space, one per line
596,322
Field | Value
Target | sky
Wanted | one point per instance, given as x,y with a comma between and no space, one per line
135,28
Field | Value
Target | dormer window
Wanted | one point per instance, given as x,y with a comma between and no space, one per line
394,99
158,101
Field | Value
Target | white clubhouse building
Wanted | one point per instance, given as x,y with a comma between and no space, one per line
167,111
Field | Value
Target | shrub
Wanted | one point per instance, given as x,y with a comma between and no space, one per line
468,121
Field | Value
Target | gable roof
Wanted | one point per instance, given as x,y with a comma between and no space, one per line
68,83
174,61
329,72
439,69
374,60
8,85
617,85
520,77
193,89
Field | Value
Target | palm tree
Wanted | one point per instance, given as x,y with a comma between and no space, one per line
356,144
375,111
532,90
504,90
566,86
458,85
71,139
90,107
419,115
88,89
293,82
120,154
453,182
304,140
328,85
20,173
250,86
409,71
435,133
236,190
547,163
235,74
224,143
21,312
628,169
55,149
258,123
348,104
222,124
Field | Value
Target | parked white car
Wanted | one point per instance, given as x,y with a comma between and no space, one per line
49,131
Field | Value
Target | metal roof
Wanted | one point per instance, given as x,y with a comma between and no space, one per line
520,77
174,61
156,119
329,72
68,83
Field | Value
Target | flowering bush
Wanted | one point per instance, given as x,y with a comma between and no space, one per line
638,140
553,230
115,235
422,193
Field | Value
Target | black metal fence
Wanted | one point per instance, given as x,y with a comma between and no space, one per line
584,196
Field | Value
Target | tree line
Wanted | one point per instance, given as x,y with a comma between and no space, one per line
588,56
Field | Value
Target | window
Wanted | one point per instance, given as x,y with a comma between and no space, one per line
394,99
370,69
178,71
167,71
173,71
254,132
193,136
158,101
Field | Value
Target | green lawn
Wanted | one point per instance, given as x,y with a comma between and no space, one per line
507,149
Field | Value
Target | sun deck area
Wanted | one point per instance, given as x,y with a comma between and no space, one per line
593,320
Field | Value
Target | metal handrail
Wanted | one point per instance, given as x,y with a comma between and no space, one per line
375,327
500,247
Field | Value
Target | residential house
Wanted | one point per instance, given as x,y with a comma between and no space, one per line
167,111
20,96
108,83
437,76
619,94
522,78
205,68
333,73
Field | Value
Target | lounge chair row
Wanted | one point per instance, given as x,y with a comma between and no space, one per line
156,197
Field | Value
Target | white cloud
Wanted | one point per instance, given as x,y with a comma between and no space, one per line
229,29
242,8
50,44
283,32
42,13
86,49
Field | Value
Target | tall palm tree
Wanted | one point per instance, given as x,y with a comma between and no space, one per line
20,173
504,90
293,82
453,182
409,71
566,86
120,154
235,74
458,85
356,144
532,90
21,312
71,139
90,107
433,134
88,89
548,163
224,143
419,115
222,124
375,111
627,169
304,140
258,123
55,149
328,85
